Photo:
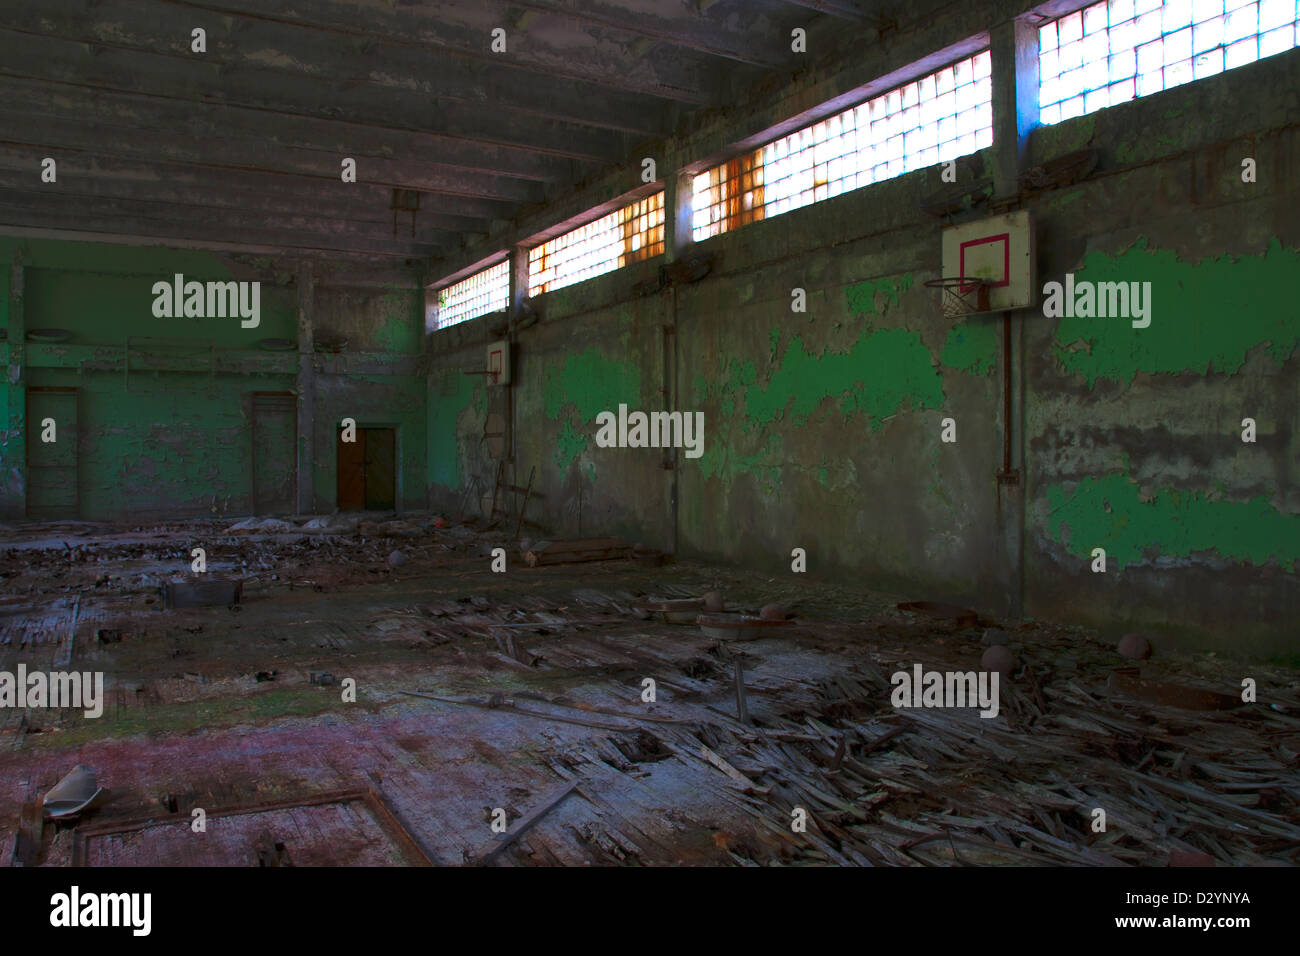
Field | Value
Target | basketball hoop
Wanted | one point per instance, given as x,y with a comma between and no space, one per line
962,295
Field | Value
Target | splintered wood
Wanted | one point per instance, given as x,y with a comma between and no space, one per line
1071,772
1085,782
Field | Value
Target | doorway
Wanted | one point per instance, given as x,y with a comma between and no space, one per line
367,470
275,452
52,453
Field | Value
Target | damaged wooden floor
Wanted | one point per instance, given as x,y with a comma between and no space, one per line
532,687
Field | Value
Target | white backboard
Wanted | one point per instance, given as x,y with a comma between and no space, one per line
498,363
999,248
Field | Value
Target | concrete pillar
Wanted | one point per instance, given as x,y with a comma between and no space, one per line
1015,115
13,485
505,403
678,211
306,389
518,275
1015,100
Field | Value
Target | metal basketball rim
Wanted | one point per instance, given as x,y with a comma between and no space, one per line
963,295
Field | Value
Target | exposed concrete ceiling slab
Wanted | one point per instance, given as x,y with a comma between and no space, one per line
244,142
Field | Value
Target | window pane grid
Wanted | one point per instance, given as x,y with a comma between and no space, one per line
479,294
1118,50
938,117
626,235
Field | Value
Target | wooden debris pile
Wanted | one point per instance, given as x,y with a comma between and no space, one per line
892,787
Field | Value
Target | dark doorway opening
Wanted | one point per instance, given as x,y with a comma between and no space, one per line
367,470
52,487
275,452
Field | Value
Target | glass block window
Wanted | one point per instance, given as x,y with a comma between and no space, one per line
626,235
938,117
479,294
1118,50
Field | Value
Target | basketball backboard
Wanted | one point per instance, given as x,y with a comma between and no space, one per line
498,363
999,249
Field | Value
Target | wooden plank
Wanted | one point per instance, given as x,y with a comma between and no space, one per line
512,708
731,771
497,846
384,819
28,840
577,550
578,544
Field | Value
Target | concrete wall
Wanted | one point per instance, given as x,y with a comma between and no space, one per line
166,426
823,428
1134,435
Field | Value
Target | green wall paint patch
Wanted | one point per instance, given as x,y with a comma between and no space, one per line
591,384
884,371
881,373
972,346
861,296
443,428
1205,316
1107,513
569,444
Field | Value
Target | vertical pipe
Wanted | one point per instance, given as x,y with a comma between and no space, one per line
15,484
1006,394
306,389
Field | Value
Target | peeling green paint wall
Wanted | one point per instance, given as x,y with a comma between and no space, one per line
822,428
450,407
861,297
1206,315
972,346
588,383
1108,512
1137,449
884,372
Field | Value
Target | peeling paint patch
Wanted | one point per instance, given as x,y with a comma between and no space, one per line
861,296
591,383
883,371
1108,513
445,412
1205,316
972,346
401,309
724,461
569,444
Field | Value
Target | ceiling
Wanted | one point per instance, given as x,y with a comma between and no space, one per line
241,146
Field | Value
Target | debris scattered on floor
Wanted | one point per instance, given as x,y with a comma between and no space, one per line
677,744
73,794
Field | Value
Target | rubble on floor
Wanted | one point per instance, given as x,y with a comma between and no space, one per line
587,705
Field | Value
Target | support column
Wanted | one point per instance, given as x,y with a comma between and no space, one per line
1014,45
678,211
306,389
1015,115
13,484
518,292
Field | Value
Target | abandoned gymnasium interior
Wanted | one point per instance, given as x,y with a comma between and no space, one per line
649,433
